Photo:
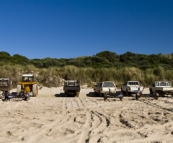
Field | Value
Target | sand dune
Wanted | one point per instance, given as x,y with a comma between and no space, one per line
53,118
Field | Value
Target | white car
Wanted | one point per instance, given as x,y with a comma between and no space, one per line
107,87
131,87
162,88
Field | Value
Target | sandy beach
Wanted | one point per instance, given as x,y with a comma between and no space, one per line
52,118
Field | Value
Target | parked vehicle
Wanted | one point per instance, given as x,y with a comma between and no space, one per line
131,87
5,85
161,88
27,84
105,87
71,87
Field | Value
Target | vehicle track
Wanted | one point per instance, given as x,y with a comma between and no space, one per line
86,120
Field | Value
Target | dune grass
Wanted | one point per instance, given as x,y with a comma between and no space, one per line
52,77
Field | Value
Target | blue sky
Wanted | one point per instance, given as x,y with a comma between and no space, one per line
73,28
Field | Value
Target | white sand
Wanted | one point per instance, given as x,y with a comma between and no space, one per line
52,118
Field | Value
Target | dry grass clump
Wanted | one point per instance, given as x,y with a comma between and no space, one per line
53,77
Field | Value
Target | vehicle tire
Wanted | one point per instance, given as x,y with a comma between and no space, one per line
127,93
28,97
105,97
151,92
156,96
77,94
137,96
100,94
121,98
34,90
18,89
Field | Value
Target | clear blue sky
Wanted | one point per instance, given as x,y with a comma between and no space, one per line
73,28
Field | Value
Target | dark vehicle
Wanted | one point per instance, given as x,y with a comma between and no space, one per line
71,87
5,85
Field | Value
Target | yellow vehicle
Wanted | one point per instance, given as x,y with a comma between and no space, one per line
28,84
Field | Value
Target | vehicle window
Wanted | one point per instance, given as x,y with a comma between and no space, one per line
108,84
71,83
25,78
162,84
136,83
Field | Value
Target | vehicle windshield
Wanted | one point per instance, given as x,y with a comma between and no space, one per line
27,78
71,83
108,84
163,83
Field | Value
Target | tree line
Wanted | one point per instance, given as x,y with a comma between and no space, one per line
104,59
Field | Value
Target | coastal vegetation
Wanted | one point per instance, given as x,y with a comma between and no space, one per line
105,65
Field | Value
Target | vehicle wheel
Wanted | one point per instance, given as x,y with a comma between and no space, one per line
77,94
28,97
34,90
136,96
156,96
151,91
127,93
18,89
121,98
105,97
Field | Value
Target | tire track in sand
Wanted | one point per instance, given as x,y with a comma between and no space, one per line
86,129
99,124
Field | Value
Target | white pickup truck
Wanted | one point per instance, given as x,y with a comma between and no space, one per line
131,87
105,87
161,88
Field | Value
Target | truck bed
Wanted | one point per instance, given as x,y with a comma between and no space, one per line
165,89
108,89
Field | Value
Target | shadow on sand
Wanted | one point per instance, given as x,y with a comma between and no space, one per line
92,94
109,98
63,95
